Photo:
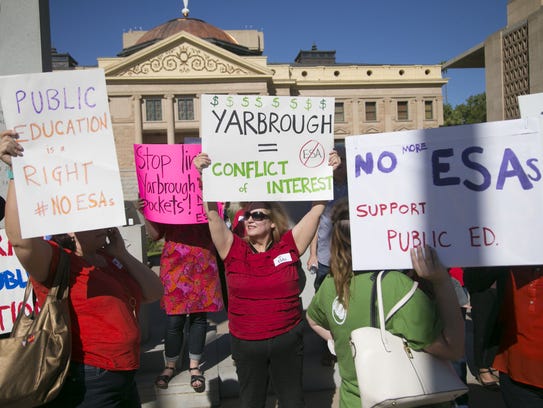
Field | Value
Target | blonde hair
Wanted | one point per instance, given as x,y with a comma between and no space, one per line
341,265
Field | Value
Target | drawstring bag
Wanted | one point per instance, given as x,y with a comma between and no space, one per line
34,360
390,373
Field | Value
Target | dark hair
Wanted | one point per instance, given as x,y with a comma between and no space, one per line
65,241
341,264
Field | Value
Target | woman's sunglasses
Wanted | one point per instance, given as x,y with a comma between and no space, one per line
257,216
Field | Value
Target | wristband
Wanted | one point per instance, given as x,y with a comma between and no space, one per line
10,173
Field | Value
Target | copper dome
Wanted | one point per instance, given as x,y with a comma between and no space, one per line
194,26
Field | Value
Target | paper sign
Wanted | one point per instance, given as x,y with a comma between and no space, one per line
169,183
268,148
531,105
475,193
68,179
13,279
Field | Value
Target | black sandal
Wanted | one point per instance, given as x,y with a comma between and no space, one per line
493,385
163,379
197,378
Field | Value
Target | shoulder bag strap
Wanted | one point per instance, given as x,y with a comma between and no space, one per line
61,282
395,308
373,299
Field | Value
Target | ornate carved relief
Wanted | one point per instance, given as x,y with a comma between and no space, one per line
183,59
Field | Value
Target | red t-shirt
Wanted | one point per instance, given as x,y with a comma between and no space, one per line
104,301
263,292
521,353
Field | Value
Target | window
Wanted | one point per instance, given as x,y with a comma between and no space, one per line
339,113
403,113
153,109
428,110
371,111
185,108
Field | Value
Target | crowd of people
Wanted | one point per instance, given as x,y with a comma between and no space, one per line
260,252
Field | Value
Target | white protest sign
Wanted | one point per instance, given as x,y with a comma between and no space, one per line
68,179
13,280
474,192
268,148
531,105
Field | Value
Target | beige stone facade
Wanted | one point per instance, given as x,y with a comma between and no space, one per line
512,58
179,69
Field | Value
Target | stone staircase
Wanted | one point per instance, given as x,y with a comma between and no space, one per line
218,366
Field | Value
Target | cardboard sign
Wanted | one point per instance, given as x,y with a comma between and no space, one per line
169,183
475,193
268,148
68,179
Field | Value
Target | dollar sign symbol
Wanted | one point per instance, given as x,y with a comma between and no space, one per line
229,101
308,104
258,102
275,103
323,104
215,101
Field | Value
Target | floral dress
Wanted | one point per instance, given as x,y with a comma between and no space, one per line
189,271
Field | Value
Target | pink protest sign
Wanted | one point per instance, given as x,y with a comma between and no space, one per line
169,183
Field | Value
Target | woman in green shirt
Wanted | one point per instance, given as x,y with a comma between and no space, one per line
342,304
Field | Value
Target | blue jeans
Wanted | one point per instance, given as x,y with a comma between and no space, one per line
90,387
279,359
173,340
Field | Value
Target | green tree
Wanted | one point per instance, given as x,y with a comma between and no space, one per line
473,111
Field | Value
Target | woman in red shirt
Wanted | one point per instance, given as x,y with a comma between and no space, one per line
107,285
265,310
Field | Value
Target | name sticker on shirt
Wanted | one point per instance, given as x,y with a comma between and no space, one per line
282,259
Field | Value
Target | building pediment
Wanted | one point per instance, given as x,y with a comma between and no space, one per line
183,55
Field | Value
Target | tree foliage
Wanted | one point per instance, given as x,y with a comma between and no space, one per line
473,111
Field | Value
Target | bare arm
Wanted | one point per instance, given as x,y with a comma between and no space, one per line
148,280
321,331
220,233
313,260
33,253
450,343
151,227
305,230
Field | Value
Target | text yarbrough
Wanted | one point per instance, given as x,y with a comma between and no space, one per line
251,123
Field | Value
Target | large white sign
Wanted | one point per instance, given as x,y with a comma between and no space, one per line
68,179
474,192
267,148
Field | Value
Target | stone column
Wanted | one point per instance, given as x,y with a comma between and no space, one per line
170,119
138,123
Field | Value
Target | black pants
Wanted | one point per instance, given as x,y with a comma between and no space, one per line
484,313
279,359
517,395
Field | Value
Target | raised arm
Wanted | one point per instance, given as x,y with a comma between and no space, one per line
450,344
34,254
148,280
304,231
152,229
220,233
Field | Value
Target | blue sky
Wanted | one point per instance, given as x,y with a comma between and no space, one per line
360,31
